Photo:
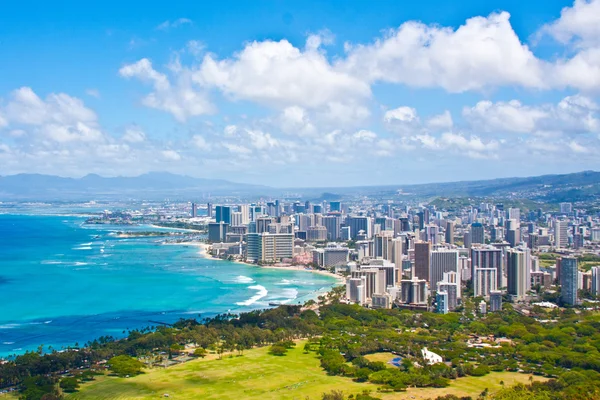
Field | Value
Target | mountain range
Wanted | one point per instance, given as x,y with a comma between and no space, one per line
160,185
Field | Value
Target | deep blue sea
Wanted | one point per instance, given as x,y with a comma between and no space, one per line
63,282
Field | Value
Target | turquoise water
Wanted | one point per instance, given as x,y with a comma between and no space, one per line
63,282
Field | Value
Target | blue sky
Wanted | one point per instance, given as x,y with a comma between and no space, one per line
301,93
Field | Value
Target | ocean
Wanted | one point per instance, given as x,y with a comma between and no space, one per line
63,282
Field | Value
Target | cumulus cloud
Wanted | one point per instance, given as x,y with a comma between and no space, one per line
402,120
441,121
471,146
579,24
58,118
277,74
484,52
573,114
181,98
171,155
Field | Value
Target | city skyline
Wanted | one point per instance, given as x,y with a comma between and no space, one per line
366,94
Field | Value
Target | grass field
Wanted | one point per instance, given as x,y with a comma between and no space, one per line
258,375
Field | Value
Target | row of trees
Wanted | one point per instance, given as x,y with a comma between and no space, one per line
342,335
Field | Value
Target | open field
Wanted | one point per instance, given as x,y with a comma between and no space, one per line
258,375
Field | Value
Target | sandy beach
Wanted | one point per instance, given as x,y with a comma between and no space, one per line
339,278
203,251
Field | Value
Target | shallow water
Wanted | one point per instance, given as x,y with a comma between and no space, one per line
63,282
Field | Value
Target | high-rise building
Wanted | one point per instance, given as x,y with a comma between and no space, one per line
518,267
450,232
357,224
431,234
561,238
515,213
595,232
269,248
467,239
217,231
442,261
335,206
441,302
568,280
335,256
345,233
209,210
316,234
194,210
398,250
414,291
566,208
477,233
236,218
262,224
451,284
487,257
495,300
223,214
484,281
244,209
513,237
333,224
374,280
383,245
356,290
422,260
595,281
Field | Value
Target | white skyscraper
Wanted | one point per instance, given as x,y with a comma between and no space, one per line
561,238
596,281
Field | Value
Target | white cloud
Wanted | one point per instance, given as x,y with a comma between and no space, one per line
577,148
582,71
579,23
280,75
181,99
573,114
238,149
402,114
509,116
200,142
166,25
484,52
403,120
134,134
472,146
295,120
365,135
58,118
27,108
171,155
441,121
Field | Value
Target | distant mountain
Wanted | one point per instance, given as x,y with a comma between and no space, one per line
153,185
160,185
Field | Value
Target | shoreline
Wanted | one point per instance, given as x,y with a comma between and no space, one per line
204,253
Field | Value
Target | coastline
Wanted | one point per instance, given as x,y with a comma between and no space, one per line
204,253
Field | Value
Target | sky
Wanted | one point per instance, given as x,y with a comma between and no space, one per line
310,93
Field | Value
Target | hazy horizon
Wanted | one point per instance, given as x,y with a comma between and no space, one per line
315,94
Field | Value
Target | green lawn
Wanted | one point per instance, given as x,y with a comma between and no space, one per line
258,375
